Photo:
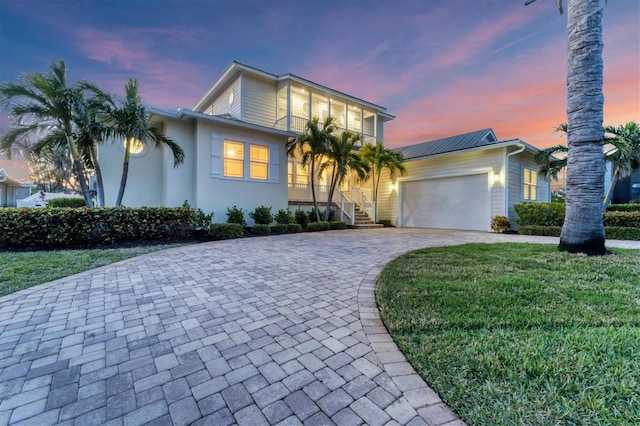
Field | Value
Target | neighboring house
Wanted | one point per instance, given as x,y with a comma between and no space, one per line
11,190
235,141
627,189
461,182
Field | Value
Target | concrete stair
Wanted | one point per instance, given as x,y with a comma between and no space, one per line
363,221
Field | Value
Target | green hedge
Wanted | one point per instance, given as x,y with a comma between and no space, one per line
224,231
279,228
611,232
260,229
294,227
539,214
66,202
337,224
318,226
385,222
547,231
622,233
631,207
56,227
628,219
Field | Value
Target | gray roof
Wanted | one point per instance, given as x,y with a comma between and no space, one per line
470,140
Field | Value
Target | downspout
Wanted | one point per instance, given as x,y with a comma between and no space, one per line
506,177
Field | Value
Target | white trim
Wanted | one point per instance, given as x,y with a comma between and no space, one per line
217,147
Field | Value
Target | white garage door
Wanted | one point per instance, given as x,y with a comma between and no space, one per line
460,202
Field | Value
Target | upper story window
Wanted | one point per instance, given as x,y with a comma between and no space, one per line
233,159
530,184
258,162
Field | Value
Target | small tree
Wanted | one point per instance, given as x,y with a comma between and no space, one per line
380,158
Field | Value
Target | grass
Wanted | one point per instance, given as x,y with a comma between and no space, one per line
520,333
20,270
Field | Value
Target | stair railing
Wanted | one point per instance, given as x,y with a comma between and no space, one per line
347,208
366,205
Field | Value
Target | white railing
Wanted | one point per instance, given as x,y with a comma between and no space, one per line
369,207
347,209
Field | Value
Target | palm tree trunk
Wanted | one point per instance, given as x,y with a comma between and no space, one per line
99,181
376,185
583,230
614,181
77,165
313,189
125,173
332,187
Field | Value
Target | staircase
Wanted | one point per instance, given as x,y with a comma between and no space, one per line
363,221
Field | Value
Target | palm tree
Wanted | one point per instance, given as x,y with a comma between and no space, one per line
624,155
379,158
340,159
311,146
45,103
583,230
131,122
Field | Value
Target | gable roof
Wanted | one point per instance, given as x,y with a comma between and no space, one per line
235,68
461,142
6,179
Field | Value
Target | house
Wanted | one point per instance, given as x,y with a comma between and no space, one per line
627,189
11,190
461,182
235,141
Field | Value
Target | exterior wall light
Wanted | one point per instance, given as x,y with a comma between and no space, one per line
496,177
393,186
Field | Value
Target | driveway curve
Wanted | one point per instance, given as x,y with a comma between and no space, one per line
275,330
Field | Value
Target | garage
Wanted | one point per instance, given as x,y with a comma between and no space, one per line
459,202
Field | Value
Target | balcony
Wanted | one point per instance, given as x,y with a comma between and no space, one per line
299,125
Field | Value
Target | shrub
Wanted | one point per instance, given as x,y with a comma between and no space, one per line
318,226
294,227
542,214
558,196
73,202
280,228
225,231
622,233
385,222
500,224
337,224
631,207
628,219
201,221
284,217
301,218
312,215
236,215
548,231
56,227
262,215
260,229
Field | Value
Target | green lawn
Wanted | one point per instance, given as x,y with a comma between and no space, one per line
512,334
20,270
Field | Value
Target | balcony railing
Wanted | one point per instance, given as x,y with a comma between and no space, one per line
299,125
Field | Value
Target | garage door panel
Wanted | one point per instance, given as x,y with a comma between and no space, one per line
460,202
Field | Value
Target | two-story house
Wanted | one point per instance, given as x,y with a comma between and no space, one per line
235,142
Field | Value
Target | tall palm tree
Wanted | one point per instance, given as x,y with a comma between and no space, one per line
340,159
311,146
380,158
624,155
583,230
45,101
130,122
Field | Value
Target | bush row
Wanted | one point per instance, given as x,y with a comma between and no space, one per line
56,227
611,232
631,207
552,214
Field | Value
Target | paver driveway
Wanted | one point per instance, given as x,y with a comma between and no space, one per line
271,330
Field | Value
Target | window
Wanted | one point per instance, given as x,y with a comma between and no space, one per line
530,184
233,159
258,162
302,177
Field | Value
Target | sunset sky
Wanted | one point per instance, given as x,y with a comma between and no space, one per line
441,67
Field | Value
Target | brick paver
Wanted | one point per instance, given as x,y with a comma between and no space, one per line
275,330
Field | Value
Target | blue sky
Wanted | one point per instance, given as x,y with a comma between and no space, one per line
442,67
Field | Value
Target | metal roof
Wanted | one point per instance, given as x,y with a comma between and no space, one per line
462,142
